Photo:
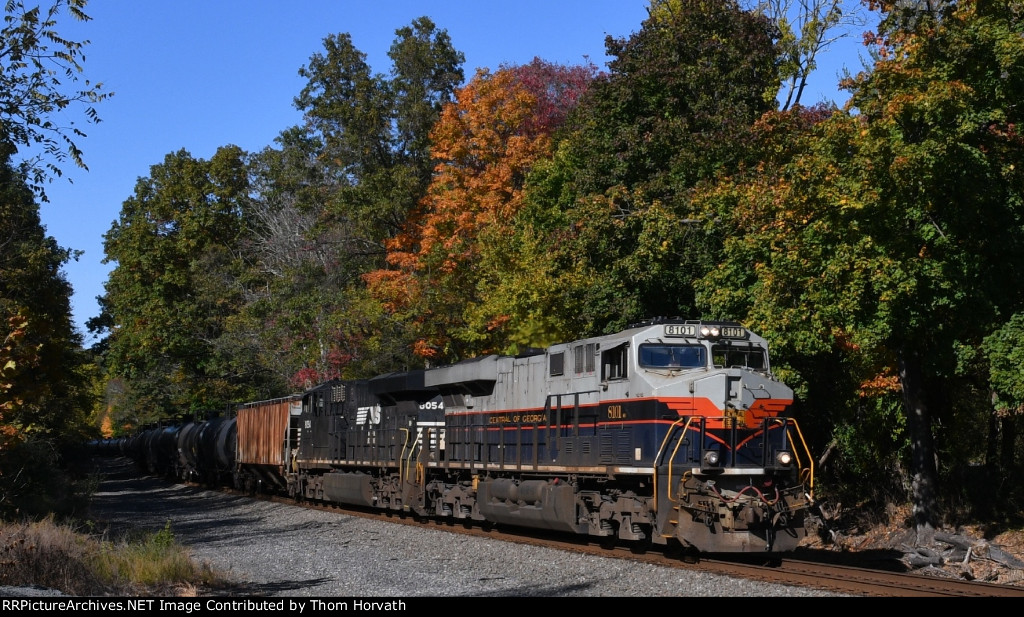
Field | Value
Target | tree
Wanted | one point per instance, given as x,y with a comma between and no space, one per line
892,235
807,28
949,76
369,134
45,376
1004,351
300,268
484,146
176,249
602,236
680,96
41,351
32,93
799,267
375,130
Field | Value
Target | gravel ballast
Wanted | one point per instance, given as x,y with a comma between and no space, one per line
276,549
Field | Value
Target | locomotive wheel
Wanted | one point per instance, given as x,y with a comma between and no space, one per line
686,554
639,547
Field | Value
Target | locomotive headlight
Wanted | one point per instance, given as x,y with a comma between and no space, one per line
711,458
709,331
784,458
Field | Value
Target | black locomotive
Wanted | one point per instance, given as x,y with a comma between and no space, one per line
671,431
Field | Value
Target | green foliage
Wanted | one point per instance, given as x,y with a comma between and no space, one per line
890,236
46,379
176,247
1004,351
35,482
32,93
677,104
605,237
365,147
44,384
163,539
375,129
873,446
806,29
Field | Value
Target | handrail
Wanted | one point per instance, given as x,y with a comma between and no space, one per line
810,459
658,457
403,468
806,473
672,458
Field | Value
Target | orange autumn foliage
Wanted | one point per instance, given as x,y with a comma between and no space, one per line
484,145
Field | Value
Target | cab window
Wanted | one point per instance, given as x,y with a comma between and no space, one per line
613,362
740,356
672,356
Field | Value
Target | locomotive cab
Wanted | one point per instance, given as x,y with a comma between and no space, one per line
730,463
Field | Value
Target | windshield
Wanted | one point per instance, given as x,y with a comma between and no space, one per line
746,355
672,356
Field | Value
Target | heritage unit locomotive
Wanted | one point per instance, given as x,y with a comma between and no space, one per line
670,431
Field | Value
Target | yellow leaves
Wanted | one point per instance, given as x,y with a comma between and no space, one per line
392,288
13,353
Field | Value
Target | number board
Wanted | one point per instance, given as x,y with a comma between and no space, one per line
680,330
733,332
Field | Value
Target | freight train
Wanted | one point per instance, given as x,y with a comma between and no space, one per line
671,432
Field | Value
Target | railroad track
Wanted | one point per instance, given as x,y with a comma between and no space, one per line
861,581
856,573
813,569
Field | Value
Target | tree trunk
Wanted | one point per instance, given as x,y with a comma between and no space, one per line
992,446
1009,445
919,425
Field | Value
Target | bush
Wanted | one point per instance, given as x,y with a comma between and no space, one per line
57,556
33,484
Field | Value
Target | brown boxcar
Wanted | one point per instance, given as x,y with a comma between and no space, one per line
267,434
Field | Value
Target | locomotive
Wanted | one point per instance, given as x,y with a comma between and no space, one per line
671,432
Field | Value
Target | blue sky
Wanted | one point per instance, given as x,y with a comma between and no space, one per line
200,74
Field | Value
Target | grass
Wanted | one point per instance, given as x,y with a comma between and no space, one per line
79,563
